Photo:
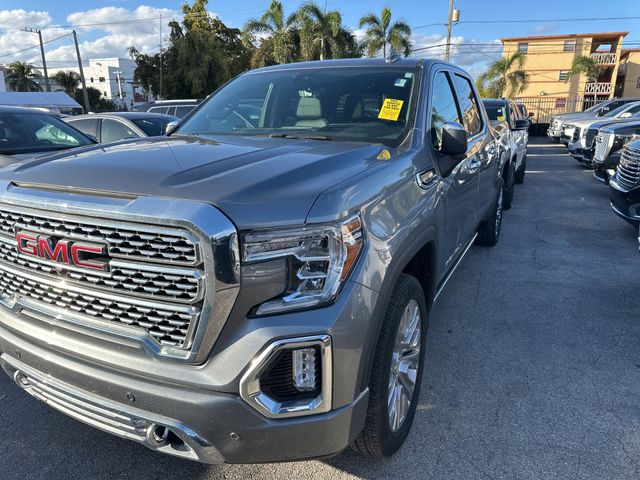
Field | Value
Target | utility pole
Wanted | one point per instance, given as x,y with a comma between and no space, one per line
454,17
120,92
87,106
44,60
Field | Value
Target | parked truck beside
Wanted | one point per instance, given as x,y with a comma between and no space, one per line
256,286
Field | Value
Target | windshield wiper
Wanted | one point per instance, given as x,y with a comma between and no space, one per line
299,137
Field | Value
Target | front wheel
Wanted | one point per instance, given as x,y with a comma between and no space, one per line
395,381
489,231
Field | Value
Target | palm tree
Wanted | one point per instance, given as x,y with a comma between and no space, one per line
589,67
20,77
320,31
68,80
278,30
380,32
504,77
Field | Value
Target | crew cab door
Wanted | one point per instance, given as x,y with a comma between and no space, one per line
460,187
483,155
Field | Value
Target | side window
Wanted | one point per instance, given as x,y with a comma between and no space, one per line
113,131
443,107
85,126
469,105
183,110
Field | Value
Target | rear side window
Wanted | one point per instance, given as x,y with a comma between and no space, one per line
86,126
469,105
162,110
113,131
443,107
183,110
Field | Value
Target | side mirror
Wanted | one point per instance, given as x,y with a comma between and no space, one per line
521,124
171,126
530,114
453,147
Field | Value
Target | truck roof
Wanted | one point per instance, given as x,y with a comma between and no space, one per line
351,62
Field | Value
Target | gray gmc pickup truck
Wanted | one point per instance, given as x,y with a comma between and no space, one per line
256,286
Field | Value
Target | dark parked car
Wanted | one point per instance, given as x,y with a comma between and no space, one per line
624,186
501,110
27,133
116,126
176,108
607,147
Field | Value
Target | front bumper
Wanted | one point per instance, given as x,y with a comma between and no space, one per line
200,405
625,203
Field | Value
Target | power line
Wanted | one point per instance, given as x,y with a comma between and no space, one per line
34,46
591,19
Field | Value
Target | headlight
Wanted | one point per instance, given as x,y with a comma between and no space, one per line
319,259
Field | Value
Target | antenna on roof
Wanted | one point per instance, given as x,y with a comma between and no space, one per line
392,56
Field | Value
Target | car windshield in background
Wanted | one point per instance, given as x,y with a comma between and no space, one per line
153,127
616,111
368,104
33,133
496,112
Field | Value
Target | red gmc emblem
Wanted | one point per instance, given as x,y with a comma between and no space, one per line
63,251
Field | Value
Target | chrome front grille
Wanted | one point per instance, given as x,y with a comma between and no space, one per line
628,173
155,280
123,241
602,146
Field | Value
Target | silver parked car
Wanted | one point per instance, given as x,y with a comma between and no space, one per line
116,126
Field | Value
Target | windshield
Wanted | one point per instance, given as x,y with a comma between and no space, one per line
364,104
496,112
154,127
33,132
616,111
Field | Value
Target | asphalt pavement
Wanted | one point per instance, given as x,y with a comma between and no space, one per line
533,364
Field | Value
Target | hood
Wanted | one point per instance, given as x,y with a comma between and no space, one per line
256,181
624,128
570,116
616,121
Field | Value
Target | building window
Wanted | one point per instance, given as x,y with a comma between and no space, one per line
569,46
564,75
638,83
105,94
90,79
101,79
523,47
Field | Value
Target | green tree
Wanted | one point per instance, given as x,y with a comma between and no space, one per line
504,77
21,77
280,37
68,80
589,67
321,33
97,103
381,32
202,53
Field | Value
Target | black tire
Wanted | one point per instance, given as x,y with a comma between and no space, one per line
489,231
377,438
519,176
509,189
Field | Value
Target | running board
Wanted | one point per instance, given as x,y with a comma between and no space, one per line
455,267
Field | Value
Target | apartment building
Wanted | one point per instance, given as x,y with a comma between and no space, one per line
628,81
549,60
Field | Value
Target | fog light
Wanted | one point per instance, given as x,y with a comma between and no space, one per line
304,369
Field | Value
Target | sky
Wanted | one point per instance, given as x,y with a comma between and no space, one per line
126,23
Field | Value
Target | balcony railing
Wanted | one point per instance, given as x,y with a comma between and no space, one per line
604,58
597,88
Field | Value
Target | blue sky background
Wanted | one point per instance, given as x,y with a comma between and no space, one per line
420,14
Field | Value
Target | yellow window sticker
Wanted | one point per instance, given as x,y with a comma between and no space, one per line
501,118
390,109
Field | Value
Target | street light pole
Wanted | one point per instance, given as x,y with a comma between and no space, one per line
449,22
44,60
87,105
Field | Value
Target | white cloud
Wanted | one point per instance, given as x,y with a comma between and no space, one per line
21,18
102,32
545,28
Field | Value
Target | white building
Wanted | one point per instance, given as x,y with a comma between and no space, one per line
113,77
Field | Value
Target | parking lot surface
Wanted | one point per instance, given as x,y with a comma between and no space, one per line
533,363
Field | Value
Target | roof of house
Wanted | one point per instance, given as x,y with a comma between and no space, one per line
567,36
38,99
